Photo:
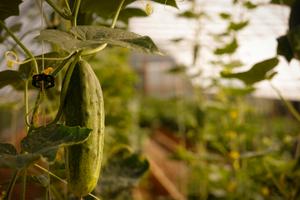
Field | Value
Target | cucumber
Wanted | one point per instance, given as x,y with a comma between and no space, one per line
84,106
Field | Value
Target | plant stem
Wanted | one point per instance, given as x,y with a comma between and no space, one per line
102,46
68,6
117,14
93,51
11,185
75,12
64,89
26,102
24,179
28,53
58,10
36,108
288,104
63,64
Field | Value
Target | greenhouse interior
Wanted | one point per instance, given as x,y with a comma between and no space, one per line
149,100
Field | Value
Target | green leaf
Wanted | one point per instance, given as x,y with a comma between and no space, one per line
190,15
283,2
234,91
18,161
128,13
6,148
9,8
93,36
228,48
102,8
237,26
9,77
118,37
284,48
167,2
249,5
257,73
10,159
178,69
65,40
293,37
121,173
46,140
106,9
224,15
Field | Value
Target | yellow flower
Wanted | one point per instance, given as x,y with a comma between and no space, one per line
48,70
231,134
10,63
149,9
236,165
265,191
231,187
233,114
234,155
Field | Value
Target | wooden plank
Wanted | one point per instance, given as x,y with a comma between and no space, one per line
171,174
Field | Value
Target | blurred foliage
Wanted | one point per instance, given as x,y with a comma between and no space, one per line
118,82
240,152
248,155
182,117
121,173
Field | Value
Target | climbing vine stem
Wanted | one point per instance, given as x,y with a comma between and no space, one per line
27,51
75,12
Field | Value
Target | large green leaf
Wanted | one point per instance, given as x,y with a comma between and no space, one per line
92,36
10,159
46,140
116,37
128,13
65,40
9,8
121,173
107,9
257,73
9,77
228,48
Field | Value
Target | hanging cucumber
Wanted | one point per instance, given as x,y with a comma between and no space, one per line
84,106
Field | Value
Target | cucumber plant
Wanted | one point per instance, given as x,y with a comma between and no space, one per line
78,125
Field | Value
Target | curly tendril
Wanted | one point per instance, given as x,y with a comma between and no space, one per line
12,58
